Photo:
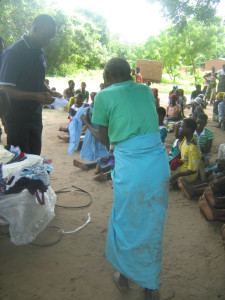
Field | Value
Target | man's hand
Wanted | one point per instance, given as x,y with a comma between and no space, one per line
57,95
85,118
44,98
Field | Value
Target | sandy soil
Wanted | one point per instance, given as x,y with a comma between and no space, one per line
76,268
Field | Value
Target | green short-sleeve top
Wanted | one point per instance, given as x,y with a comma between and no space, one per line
128,109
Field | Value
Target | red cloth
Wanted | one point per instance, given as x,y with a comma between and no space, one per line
175,163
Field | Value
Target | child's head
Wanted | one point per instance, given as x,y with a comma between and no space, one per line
148,83
177,132
188,127
138,70
155,92
161,114
181,92
79,99
92,95
83,85
173,99
201,121
221,164
198,87
71,84
132,72
47,82
219,96
102,86
4,102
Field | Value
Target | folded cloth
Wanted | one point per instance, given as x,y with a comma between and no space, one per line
5,155
91,148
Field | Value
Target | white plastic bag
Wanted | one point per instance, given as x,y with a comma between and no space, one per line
60,103
26,217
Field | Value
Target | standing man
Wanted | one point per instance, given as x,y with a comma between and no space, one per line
22,75
221,84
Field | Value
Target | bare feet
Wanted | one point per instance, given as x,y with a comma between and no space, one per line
65,129
121,282
98,169
100,177
184,188
79,165
151,294
208,193
111,183
66,139
205,208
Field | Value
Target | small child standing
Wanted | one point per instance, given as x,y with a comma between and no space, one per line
162,128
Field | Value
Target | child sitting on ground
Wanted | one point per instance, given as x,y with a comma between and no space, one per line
204,137
175,148
162,128
190,154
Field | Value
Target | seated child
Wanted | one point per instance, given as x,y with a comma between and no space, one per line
162,128
216,171
212,201
175,148
79,99
190,154
204,136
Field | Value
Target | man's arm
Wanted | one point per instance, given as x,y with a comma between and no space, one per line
19,95
54,94
207,147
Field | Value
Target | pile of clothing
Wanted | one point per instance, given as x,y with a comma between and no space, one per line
27,201
19,171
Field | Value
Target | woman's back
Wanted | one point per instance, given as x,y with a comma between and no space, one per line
127,109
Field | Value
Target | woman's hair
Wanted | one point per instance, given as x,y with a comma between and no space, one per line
161,111
191,124
117,68
203,117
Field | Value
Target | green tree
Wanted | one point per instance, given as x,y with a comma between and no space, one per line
180,12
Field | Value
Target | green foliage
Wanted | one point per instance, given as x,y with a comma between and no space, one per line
181,12
83,40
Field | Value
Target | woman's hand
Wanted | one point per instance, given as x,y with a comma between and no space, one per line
86,118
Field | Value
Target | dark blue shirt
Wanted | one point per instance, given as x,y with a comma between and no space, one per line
23,66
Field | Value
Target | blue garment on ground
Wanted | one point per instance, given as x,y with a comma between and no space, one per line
134,241
91,148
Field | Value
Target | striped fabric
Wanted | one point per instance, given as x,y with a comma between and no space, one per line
205,136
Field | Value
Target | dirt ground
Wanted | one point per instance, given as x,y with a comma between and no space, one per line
76,268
